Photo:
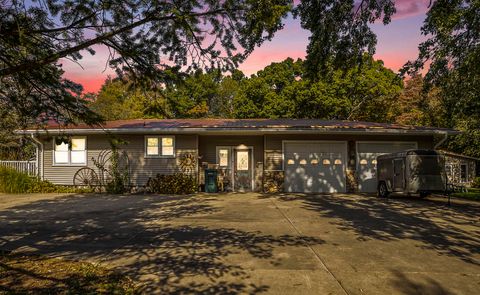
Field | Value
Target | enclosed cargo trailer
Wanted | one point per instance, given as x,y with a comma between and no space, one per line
412,172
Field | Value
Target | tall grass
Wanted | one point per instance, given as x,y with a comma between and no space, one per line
14,182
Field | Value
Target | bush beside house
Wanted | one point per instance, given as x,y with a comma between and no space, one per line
177,183
14,182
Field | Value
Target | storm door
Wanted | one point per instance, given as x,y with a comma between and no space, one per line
243,170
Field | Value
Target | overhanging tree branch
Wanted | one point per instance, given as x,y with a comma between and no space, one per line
32,64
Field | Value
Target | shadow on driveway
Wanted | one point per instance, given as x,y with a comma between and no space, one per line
453,231
141,235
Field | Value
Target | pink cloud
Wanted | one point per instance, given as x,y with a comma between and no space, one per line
91,72
90,84
408,8
397,43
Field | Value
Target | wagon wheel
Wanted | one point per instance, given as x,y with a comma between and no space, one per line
105,166
85,177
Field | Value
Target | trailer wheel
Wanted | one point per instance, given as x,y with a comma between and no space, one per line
424,195
382,190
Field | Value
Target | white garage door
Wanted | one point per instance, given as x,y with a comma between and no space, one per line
367,153
314,166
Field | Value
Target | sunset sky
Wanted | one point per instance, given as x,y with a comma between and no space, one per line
397,43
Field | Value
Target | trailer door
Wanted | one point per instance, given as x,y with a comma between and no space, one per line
398,175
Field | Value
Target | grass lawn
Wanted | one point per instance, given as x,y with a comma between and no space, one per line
472,194
21,274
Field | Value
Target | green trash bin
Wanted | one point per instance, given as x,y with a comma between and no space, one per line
211,180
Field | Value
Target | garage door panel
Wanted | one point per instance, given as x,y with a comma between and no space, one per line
315,167
367,153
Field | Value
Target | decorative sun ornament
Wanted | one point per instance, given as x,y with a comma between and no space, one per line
188,163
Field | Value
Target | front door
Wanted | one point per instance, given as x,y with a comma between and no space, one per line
398,175
242,170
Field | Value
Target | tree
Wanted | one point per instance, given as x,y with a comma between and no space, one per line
281,91
13,146
364,93
452,51
228,90
340,32
117,100
194,96
264,95
144,38
419,106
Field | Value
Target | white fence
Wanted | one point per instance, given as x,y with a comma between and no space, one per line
28,167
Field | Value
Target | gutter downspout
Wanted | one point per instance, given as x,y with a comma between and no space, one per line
39,156
445,136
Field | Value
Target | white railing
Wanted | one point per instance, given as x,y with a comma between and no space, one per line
28,167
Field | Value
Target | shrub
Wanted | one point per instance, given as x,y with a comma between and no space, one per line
178,183
14,182
119,182
476,182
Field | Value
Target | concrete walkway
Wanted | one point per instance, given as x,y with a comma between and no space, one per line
252,243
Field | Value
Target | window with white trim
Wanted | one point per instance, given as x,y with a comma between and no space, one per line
159,146
72,153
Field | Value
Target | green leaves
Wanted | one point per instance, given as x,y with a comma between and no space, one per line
278,91
282,91
340,32
147,38
452,51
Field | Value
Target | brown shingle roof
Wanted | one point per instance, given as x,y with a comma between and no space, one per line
243,124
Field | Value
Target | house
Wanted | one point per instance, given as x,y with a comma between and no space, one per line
461,170
291,155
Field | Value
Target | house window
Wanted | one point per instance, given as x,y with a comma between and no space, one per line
160,146
167,146
463,173
449,172
74,153
223,160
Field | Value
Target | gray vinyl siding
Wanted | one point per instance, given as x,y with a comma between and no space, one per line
208,144
141,168
63,174
273,144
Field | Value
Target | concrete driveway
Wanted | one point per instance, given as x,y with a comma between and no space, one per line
252,243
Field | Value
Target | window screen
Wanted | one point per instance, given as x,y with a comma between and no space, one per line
167,146
76,153
152,146
160,146
61,153
79,151
463,173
